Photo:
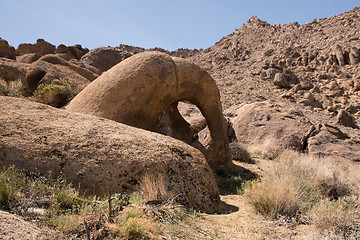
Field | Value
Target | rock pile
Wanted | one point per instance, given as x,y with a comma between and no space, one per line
313,66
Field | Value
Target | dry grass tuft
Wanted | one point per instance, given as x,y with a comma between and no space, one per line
12,88
240,153
310,190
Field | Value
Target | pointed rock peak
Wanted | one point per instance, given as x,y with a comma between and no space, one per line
255,21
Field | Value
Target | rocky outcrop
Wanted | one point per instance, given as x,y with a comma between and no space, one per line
333,142
71,52
103,58
144,90
51,67
102,156
41,47
269,127
7,51
28,58
11,70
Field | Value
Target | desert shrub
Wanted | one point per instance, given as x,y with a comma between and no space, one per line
12,88
56,94
239,153
342,216
304,187
12,183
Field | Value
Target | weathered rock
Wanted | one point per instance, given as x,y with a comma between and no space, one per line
285,80
326,143
335,131
15,227
306,84
28,58
41,47
11,70
345,119
339,55
280,80
102,156
103,58
144,90
269,127
50,67
7,51
71,52
354,56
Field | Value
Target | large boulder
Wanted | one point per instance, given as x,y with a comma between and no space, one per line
71,52
269,127
144,91
103,58
331,141
7,51
11,70
51,67
102,156
41,47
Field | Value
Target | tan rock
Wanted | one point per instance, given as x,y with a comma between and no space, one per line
102,156
345,119
11,70
103,58
269,127
143,91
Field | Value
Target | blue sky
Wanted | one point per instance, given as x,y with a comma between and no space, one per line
149,23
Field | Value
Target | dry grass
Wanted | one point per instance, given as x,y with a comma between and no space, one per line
12,88
240,153
309,190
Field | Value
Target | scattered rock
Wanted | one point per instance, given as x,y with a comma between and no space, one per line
102,156
306,84
346,119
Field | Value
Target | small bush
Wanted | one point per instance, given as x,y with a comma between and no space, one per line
239,153
56,94
341,216
12,88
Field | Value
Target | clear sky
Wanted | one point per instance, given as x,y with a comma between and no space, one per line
149,23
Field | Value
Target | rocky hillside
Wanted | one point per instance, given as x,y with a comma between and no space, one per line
313,70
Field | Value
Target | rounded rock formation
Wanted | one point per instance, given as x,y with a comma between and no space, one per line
144,90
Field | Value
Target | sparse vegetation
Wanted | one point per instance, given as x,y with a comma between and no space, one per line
240,153
56,94
65,209
12,88
308,190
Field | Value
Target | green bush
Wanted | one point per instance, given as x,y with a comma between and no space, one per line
56,94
